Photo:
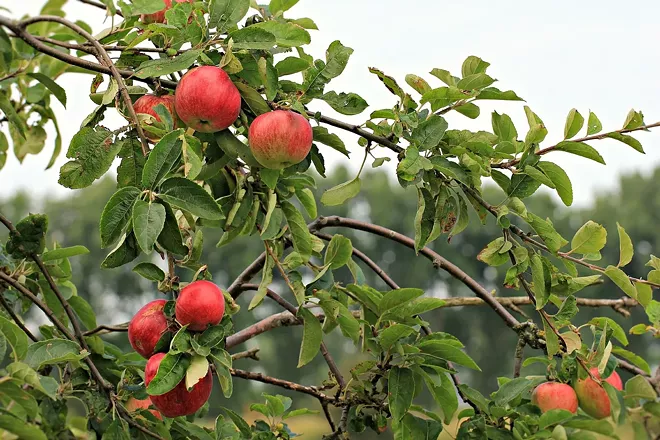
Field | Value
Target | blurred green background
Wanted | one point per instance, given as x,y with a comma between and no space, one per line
116,294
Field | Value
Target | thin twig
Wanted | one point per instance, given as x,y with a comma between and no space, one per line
14,316
99,5
520,350
248,354
108,47
248,273
312,391
104,329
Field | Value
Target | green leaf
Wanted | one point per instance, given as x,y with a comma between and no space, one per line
632,358
29,237
196,371
412,164
389,336
589,239
547,232
171,371
322,135
312,337
634,119
253,99
149,271
338,252
286,34
475,81
593,125
84,311
33,144
522,185
620,278
345,103
21,429
551,340
231,145
302,240
444,395
276,6
161,159
165,66
223,14
447,351
473,65
129,171
320,74
574,123
92,151
306,197
252,38
4,146
67,252
16,121
628,140
51,85
148,221
170,237
511,390
625,246
291,65
397,298
400,391
429,133
52,351
15,336
554,417
560,180
116,214
419,306
542,281
580,149
469,109
126,251
494,93
639,388
189,196
339,194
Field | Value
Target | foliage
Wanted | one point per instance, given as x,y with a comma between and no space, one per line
190,182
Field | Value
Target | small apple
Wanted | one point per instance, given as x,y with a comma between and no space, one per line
133,405
159,17
147,326
593,397
555,395
280,138
146,104
199,305
178,401
207,100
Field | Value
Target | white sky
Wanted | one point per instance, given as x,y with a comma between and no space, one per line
587,54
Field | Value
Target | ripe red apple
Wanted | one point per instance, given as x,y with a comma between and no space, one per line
159,17
133,405
199,305
555,395
178,401
593,397
207,100
147,103
280,138
147,326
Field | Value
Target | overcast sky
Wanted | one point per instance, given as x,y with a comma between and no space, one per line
597,55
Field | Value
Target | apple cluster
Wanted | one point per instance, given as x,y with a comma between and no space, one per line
199,305
590,395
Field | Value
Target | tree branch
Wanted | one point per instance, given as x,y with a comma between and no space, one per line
248,354
14,316
312,391
248,273
99,5
105,329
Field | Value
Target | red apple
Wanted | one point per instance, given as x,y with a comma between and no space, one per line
133,405
280,138
146,104
199,305
555,395
178,401
147,326
593,397
207,100
159,17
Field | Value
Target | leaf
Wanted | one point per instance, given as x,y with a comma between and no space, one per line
400,390
129,171
589,239
67,252
126,251
574,123
345,103
21,429
593,125
197,370
92,151
161,159
52,351
170,237
253,99
223,14
276,6
547,232
187,195
117,214
628,140
554,417
15,336
286,34
511,390
223,362
444,394
252,38
338,252
639,388
632,357
560,180
542,281
494,93
320,74
620,278
312,337
551,340
580,149
84,311
412,164
625,246
165,66
397,298
149,271
475,81
51,85
16,121
171,371
472,65
239,422
322,135
447,351
522,186
339,194
429,133
291,65
148,221
389,336
306,197
302,240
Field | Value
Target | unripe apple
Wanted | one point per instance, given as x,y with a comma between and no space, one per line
133,405
207,100
147,326
555,395
146,104
280,138
593,397
178,401
159,17
200,304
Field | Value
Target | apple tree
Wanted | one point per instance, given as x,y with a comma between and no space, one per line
225,128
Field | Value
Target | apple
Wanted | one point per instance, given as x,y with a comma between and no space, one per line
592,396
146,104
199,305
134,405
178,401
555,395
159,17
207,100
147,326
280,138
